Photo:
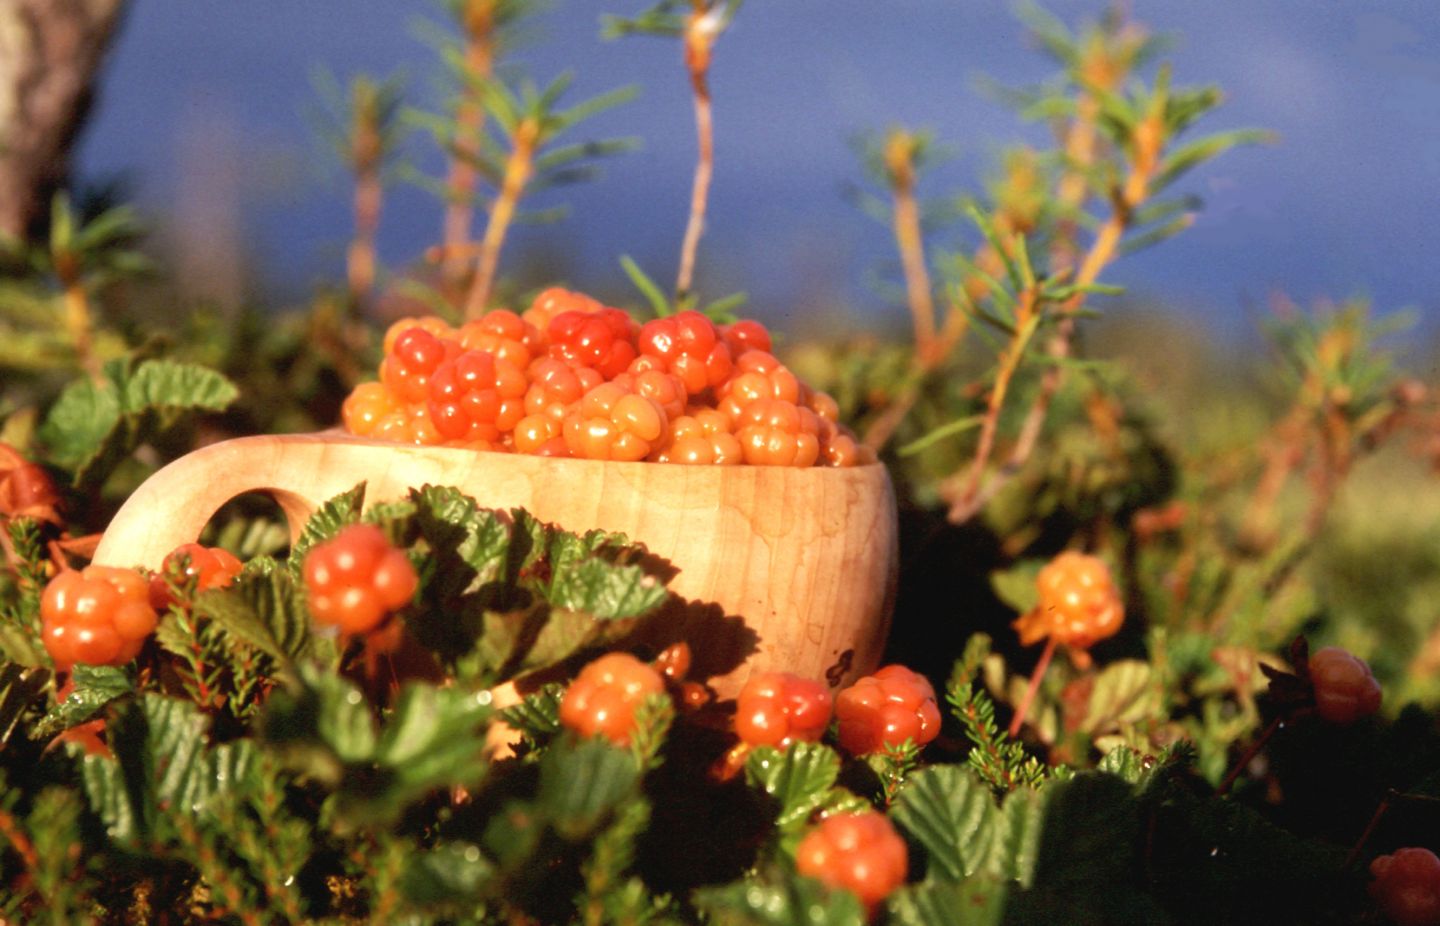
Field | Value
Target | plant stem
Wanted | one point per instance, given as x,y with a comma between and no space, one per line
1249,755
519,168
479,23
698,41
1033,688
360,258
900,166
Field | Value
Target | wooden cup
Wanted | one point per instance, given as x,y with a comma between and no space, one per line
778,568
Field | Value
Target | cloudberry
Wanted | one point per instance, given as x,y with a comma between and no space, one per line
476,397
886,709
26,490
702,436
603,340
745,335
857,852
603,698
432,323
207,567
1345,689
774,432
406,369
1079,604
613,424
554,301
99,616
504,335
1407,886
356,577
777,709
690,347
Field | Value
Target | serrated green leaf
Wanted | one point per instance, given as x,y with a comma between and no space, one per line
795,901
978,901
470,545
798,779
1017,836
340,511
1016,586
582,581
953,815
448,876
582,783
434,737
97,423
95,687
538,715
1125,694
264,610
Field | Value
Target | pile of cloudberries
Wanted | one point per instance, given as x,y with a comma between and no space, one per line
570,377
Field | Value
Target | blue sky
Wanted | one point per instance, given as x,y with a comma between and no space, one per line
1344,202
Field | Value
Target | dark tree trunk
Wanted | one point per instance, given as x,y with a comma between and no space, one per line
50,54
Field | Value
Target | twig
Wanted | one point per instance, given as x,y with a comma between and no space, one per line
519,168
1033,688
899,157
699,39
479,23
1250,754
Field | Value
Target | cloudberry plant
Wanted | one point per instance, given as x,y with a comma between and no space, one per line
99,616
690,347
603,340
777,709
476,398
206,567
1406,885
614,424
857,852
356,577
1345,689
1079,604
602,699
886,709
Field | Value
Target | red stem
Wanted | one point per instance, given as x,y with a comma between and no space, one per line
1250,754
1018,720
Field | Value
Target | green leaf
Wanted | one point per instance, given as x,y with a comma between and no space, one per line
434,737
340,511
448,876
470,545
1017,836
798,779
1185,158
1016,586
95,687
94,425
953,815
319,725
582,783
538,716
925,442
978,901
648,287
264,610
1125,694
600,588
162,765
795,901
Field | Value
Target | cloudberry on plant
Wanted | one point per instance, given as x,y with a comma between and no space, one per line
1406,885
356,577
613,424
857,852
476,397
603,340
1345,689
99,616
603,698
690,348
26,490
777,709
886,709
1079,604
207,567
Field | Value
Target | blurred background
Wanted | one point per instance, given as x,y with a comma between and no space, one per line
206,113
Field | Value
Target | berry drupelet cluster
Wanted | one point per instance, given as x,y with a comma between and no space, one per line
356,578
570,377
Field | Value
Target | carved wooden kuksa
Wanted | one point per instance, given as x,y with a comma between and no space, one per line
807,557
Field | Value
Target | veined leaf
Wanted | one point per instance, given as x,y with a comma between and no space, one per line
95,687
582,784
795,901
340,511
977,901
953,815
799,779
